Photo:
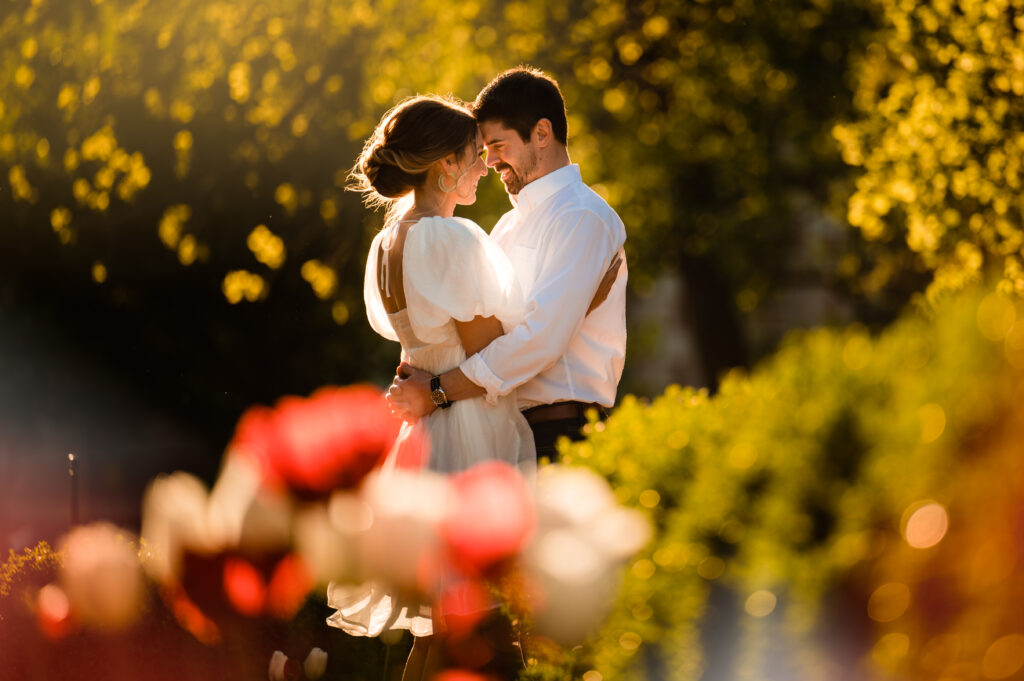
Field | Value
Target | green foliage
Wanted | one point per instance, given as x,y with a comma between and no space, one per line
773,488
939,137
37,562
707,123
138,138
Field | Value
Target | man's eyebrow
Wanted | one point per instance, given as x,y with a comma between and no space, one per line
493,140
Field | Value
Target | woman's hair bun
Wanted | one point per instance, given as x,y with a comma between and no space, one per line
410,138
384,174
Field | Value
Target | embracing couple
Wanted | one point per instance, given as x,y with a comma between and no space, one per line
508,339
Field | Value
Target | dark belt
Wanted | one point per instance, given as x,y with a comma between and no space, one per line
562,410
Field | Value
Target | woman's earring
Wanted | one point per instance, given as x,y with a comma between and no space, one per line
444,188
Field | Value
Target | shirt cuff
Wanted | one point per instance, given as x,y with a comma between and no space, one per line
478,372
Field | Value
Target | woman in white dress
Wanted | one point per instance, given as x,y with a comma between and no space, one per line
437,285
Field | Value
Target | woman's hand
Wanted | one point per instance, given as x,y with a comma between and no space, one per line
409,394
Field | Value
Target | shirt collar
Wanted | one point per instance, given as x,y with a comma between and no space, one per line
535,193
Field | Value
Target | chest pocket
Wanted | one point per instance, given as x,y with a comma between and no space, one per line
524,261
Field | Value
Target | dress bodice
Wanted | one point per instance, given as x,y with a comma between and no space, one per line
436,357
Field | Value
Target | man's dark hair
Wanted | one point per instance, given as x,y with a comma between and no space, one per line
520,97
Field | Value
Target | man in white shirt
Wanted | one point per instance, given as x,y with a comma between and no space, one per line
561,238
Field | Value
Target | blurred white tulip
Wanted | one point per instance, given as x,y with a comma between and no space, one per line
275,671
573,564
179,514
244,514
402,545
174,517
102,576
315,664
570,496
620,532
326,536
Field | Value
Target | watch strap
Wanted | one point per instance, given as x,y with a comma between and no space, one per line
436,389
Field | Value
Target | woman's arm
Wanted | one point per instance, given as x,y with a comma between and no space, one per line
478,332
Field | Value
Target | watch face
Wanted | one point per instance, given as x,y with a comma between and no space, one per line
438,397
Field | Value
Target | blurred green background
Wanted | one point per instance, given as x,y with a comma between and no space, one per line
173,190
173,197
176,244
176,234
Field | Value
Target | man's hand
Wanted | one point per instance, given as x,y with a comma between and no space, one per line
605,285
409,394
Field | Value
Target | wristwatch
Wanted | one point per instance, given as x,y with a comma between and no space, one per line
437,393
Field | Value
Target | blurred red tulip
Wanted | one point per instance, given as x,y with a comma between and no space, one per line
290,583
471,651
189,616
461,675
463,605
492,518
252,593
327,441
244,587
53,612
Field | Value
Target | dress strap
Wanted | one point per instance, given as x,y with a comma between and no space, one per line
385,273
386,245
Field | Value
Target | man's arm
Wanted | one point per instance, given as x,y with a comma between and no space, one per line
412,385
558,302
562,297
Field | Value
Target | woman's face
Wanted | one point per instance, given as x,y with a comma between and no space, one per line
471,169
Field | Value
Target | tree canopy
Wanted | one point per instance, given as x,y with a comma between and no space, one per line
176,170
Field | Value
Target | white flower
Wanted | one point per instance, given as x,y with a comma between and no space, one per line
326,536
242,513
102,577
174,510
179,514
574,560
402,546
315,664
277,664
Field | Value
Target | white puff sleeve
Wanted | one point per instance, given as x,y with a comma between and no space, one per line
375,312
452,270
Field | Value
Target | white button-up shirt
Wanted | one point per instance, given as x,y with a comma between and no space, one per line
561,237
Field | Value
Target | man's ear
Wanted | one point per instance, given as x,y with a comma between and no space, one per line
542,133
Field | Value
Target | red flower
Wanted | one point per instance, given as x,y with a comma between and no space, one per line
327,441
464,605
461,675
289,585
252,594
53,612
244,586
492,517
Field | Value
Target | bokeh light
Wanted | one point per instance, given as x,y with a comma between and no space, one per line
925,524
1004,658
760,603
888,602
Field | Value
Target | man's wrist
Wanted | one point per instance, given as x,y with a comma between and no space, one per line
437,393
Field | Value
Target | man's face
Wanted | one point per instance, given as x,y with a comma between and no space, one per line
514,160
